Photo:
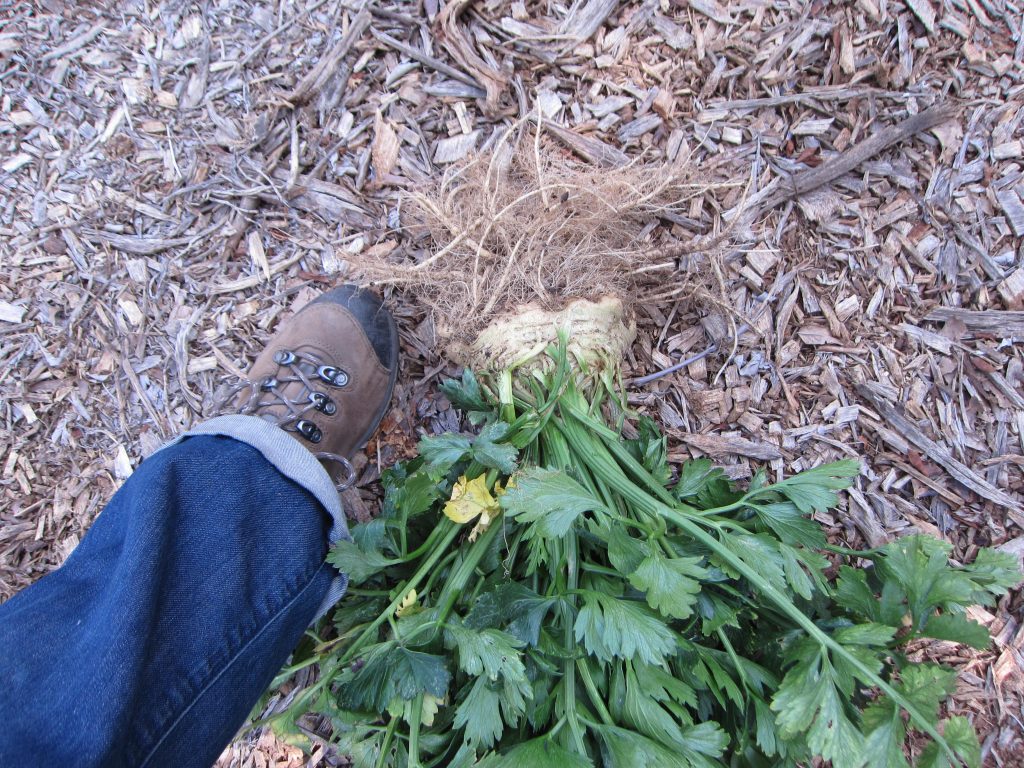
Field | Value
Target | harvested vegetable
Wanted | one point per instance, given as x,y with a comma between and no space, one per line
546,593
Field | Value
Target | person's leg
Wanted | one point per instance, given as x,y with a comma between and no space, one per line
151,644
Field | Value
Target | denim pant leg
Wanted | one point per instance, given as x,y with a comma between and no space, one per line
152,643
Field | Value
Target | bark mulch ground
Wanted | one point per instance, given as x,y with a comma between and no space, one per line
175,177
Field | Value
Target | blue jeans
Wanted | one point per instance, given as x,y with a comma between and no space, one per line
154,640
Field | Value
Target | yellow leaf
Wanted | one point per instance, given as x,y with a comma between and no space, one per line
470,499
429,708
500,490
486,518
407,605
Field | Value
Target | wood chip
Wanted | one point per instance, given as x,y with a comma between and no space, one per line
925,12
11,313
1013,208
942,457
933,340
1000,323
722,445
385,147
456,148
1012,290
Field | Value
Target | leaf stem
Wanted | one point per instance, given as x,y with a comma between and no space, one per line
812,629
422,572
388,735
414,731
595,695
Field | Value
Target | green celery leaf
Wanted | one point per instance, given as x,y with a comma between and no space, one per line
488,652
834,736
960,735
808,702
648,709
717,491
715,612
920,566
790,524
926,686
464,758
624,552
480,714
761,552
357,564
649,449
537,753
412,496
813,490
719,682
370,535
663,686
516,692
354,610
671,584
465,394
611,627
799,696
550,499
417,672
392,671
868,644
624,748
361,745
764,722
705,739
441,452
514,605
491,453
643,711
993,573
695,476
854,595
865,634
886,734
959,629
795,575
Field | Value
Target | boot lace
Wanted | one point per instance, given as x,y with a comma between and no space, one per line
275,399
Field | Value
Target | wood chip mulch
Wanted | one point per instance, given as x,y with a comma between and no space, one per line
176,177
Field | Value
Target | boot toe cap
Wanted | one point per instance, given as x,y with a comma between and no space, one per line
368,310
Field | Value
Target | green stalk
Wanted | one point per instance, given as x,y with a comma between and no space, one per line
612,472
557,454
458,580
414,731
812,629
430,541
595,695
389,734
424,570
569,666
507,408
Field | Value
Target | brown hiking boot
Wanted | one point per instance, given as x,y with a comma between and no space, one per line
327,375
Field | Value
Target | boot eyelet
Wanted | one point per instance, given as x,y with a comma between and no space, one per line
309,430
333,375
323,403
268,383
284,357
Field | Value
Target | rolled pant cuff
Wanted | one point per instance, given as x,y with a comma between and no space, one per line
295,462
